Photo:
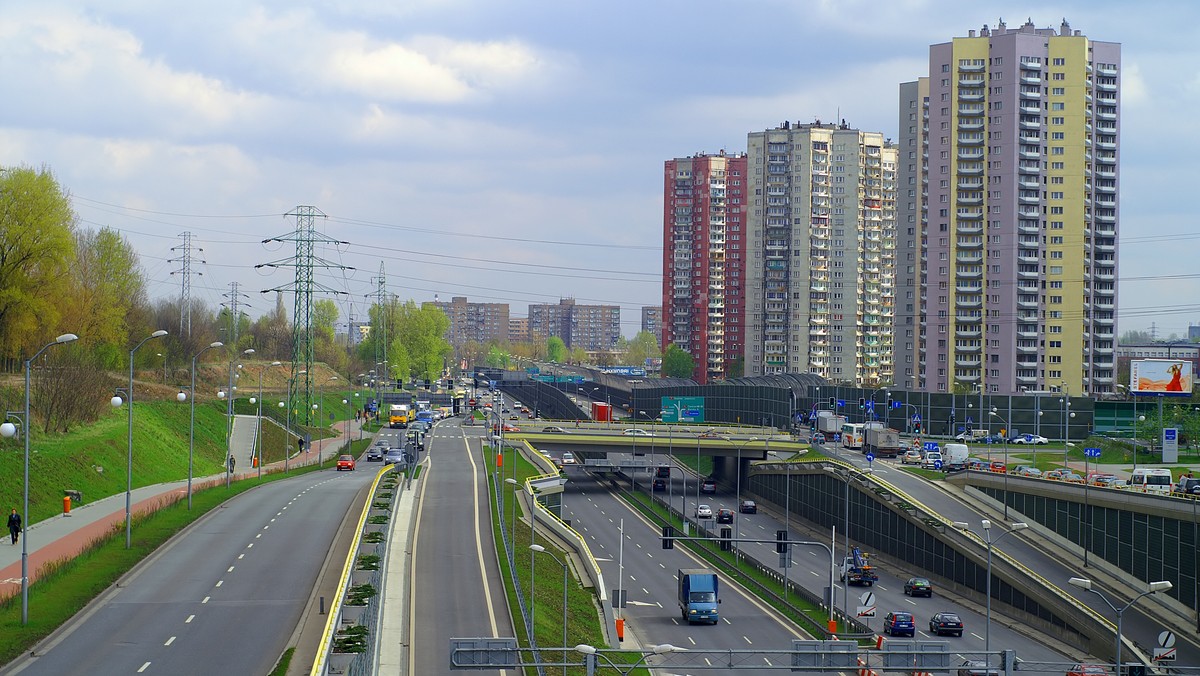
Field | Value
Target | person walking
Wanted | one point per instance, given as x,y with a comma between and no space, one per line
14,525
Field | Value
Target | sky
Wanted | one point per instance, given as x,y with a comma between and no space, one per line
512,151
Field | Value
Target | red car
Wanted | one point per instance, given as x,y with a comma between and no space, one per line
345,462
1087,670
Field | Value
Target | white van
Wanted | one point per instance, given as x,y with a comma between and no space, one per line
954,456
1151,480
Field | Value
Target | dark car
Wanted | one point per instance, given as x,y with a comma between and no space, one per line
660,485
918,586
375,454
708,486
748,507
1186,486
977,668
663,472
899,623
724,515
946,623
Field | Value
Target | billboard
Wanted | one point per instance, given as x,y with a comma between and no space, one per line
682,409
1161,377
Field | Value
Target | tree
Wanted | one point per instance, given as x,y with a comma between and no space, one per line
643,346
1135,338
497,358
107,290
578,355
556,350
36,248
677,363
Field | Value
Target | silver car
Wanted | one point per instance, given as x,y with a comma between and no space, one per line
704,512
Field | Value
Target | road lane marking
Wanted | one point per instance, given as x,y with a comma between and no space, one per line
747,638
229,570
144,667
169,641
189,619
219,583
206,598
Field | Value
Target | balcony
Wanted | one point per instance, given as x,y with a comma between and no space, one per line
1024,211
1105,115
1029,169
1030,109
970,95
969,302
1029,199
1027,274
970,81
970,169
1106,87
969,215
1029,154
969,273
1026,348
970,227
967,362
967,332
970,140
970,201
1030,258
971,124
970,154
1030,95
970,110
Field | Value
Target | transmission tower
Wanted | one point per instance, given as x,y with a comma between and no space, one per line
185,273
305,262
381,295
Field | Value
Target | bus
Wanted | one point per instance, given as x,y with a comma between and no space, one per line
852,436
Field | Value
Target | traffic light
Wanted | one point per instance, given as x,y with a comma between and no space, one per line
726,537
832,403
781,537
889,405
668,537
916,428
862,402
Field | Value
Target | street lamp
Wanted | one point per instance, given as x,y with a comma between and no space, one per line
994,414
192,426
116,401
258,422
541,549
737,522
987,538
8,430
1154,587
590,653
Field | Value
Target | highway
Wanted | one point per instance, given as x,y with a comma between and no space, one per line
223,597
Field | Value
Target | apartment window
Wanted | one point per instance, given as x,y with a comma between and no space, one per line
945,68
1058,105
1059,61
1054,329
1056,179
1054,195
1058,76
1056,255
1057,136
1057,150
1056,210
1056,239
1056,285
1058,120
1058,91
1055,344
1056,300
1056,269
1056,165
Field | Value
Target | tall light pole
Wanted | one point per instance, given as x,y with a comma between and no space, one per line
258,432
737,521
541,549
987,538
994,414
8,430
192,426
1153,588
116,401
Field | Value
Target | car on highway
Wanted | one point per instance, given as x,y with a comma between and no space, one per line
977,464
375,454
1071,477
394,456
818,438
724,515
1087,670
1101,479
1029,439
345,462
704,512
946,623
977,668
660,485
1054,474
708,486
918,586
636,432
568,458
1187,486
1031,472
710,434
911,457
998,467
932,460
554,429
899,623
748,507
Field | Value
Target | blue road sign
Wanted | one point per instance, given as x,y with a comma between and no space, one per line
897,404
1092,452
969,421
930,445
870,457
871,406
937,464
841,403
1169,433
916,417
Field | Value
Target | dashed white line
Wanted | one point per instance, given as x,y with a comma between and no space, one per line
206,598
241,556
169,641
229,570
144,667
219,583
257,535
189,619
748,641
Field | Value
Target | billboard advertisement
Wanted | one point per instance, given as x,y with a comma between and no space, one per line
1169,377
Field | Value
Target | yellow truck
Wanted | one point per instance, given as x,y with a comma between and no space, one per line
400,415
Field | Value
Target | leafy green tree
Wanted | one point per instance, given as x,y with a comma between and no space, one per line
677,363
497,358
107,290
36,248
643,346
578,355
421,331
556,350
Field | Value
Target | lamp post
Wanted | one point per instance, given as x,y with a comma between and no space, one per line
1141,419
116,401
541,549
287,428
258,421
8,430
512,528
192,426
994,414
737,522
1153,588
987,538
591,654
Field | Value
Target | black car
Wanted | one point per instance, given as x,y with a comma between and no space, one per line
724,515
977,668
708,486
748,507
375,454
660,485
1186,486
918,586
946,623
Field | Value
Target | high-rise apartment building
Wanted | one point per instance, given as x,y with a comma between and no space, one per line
518,329
474,322
652,320
591,327
1010,177
821,241
704,207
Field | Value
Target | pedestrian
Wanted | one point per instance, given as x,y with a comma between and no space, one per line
14,525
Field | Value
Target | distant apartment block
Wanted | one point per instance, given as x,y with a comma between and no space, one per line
821,253
704,261
1009,214
475,322
518,329
652,320
591,327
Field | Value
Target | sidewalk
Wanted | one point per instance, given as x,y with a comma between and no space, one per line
64,537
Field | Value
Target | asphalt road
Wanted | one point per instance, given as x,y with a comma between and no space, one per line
224,597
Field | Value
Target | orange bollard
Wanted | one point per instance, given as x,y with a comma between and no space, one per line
832,624
254,462
620,629
66,505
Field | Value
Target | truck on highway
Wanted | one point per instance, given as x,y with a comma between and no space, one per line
883,442
954,457
698,595
399,415
829,423
857,569
601,411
